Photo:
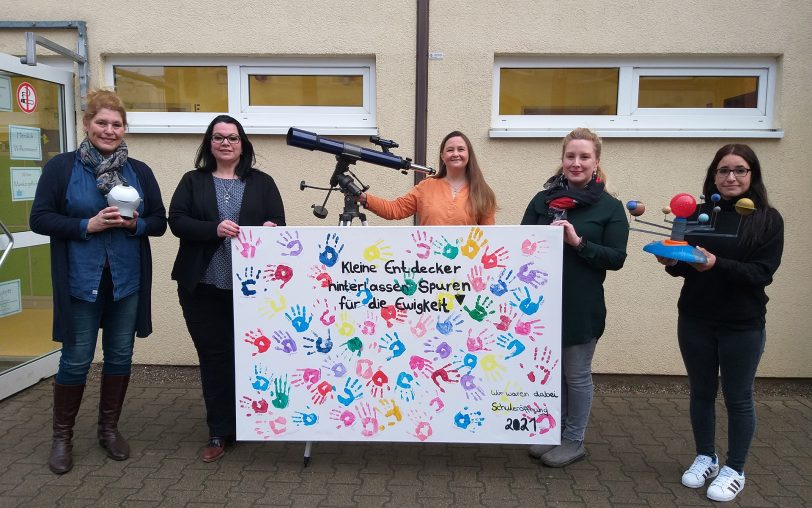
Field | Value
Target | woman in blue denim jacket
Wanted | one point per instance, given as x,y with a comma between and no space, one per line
101,269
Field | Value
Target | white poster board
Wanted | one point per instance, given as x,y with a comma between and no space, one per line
434,334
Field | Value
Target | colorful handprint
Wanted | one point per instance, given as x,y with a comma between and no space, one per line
290,243
245,244
258,340
474,244
330,250
422,242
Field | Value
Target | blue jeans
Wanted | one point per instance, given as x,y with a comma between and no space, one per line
576,389
709,349
118,336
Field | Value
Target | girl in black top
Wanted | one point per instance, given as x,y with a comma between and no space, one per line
722,310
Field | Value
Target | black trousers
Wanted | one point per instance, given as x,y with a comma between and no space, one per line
709,350
209,315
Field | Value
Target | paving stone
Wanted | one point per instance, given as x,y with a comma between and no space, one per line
374,484
279,491
683,496
524,478
371,501
153,489
310,500
802,492
435,465
657,500
179,497
402,494
242,499
288,472
407,476
531,497
76,503
585,479
649,483
130,503
466,477
341,495
434,486
113,496
212,491
559,490
91,488
638,445
497,492
634,462
623,493
474,497
48,495
595,497
346,474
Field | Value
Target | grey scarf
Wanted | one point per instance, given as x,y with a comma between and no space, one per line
107,169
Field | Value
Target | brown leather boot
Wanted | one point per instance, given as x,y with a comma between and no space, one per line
67,399
113,390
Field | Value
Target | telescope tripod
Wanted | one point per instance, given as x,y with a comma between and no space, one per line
342,180
351,211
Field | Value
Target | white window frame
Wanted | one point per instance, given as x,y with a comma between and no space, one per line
360,121
292,115
633,121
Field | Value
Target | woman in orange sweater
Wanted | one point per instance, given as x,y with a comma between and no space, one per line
457,196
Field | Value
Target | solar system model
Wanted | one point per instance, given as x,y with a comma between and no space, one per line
683,205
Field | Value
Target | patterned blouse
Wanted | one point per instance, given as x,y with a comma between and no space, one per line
229,200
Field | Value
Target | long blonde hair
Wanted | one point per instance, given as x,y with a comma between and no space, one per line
481,198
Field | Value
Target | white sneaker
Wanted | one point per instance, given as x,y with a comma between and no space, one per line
704,467
726,486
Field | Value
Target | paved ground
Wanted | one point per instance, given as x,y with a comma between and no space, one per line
638,442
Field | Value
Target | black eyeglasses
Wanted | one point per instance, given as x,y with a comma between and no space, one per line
233,139
738,172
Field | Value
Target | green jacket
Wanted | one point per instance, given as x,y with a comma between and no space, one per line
605,230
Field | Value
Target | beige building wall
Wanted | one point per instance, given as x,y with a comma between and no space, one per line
641,328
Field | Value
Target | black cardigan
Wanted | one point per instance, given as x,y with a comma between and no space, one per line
49,216
193,217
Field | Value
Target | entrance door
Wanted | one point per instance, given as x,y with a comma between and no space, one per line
36,123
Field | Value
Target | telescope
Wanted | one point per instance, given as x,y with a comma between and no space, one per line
342,178
312,141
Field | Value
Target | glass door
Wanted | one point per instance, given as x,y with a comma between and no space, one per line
36,123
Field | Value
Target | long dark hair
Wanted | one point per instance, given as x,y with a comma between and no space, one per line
481,198
205,161
759,221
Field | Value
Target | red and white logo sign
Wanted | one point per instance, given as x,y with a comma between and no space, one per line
27,97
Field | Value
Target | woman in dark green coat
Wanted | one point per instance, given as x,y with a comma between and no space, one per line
595,235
